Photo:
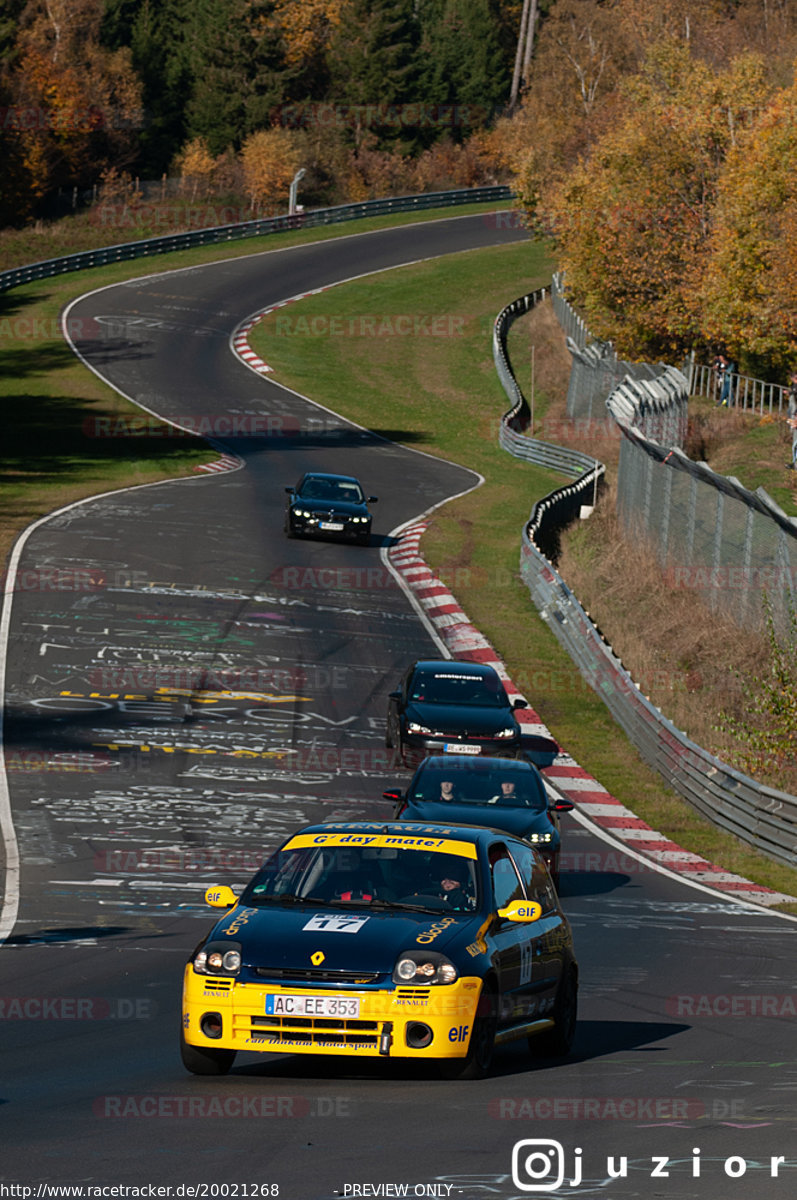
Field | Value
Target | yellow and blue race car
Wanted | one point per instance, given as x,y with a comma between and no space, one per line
394,940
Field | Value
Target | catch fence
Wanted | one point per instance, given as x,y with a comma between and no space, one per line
661,495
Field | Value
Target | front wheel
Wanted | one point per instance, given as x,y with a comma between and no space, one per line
481,1047
557,1042
202,1060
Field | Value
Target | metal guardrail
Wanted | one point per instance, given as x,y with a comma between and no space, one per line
760,816
564,504
146,247
511,436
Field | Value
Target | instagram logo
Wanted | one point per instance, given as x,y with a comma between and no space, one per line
538,1165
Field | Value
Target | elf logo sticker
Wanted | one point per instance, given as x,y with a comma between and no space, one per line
323,924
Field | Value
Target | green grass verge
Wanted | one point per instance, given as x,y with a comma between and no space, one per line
47,396
440,394
753,447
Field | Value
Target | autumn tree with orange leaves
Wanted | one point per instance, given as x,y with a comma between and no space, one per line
74,106
633,221
270,159
749,292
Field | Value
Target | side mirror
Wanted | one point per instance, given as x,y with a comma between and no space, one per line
372,499
395,695
394,794
519,704
561,806
521,911
220,897
289,490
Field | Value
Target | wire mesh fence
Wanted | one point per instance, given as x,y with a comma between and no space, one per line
712,534
731,546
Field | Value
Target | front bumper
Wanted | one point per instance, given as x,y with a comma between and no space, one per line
423,744
314,526
394,1021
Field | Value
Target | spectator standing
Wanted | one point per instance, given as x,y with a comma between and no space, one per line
720,365
728,369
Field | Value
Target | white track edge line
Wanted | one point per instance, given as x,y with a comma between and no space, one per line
421,613
653,865
10,902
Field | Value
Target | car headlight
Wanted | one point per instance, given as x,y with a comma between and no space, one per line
301,512
214,959
412,727
539,837
505,733
422,967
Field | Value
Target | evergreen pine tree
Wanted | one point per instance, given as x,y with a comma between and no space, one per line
374,64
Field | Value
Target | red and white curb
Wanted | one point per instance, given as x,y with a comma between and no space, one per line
591,799
240,344
240,338
226,463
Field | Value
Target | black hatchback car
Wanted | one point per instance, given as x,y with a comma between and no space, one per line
450,707
506,794
385,940
328,506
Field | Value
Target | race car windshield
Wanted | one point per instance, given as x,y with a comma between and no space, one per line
503,784
471,691
332,489
371,875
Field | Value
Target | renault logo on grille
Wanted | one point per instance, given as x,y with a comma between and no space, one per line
317,958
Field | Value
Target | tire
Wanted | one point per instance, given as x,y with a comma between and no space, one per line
557,1042
388,736
202,1060
481,1047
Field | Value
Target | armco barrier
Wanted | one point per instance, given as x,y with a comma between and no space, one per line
760,816
558,458
316,217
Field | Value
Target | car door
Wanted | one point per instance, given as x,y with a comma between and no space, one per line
547,936
511,947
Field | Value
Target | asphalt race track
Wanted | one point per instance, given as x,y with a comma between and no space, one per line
184,687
